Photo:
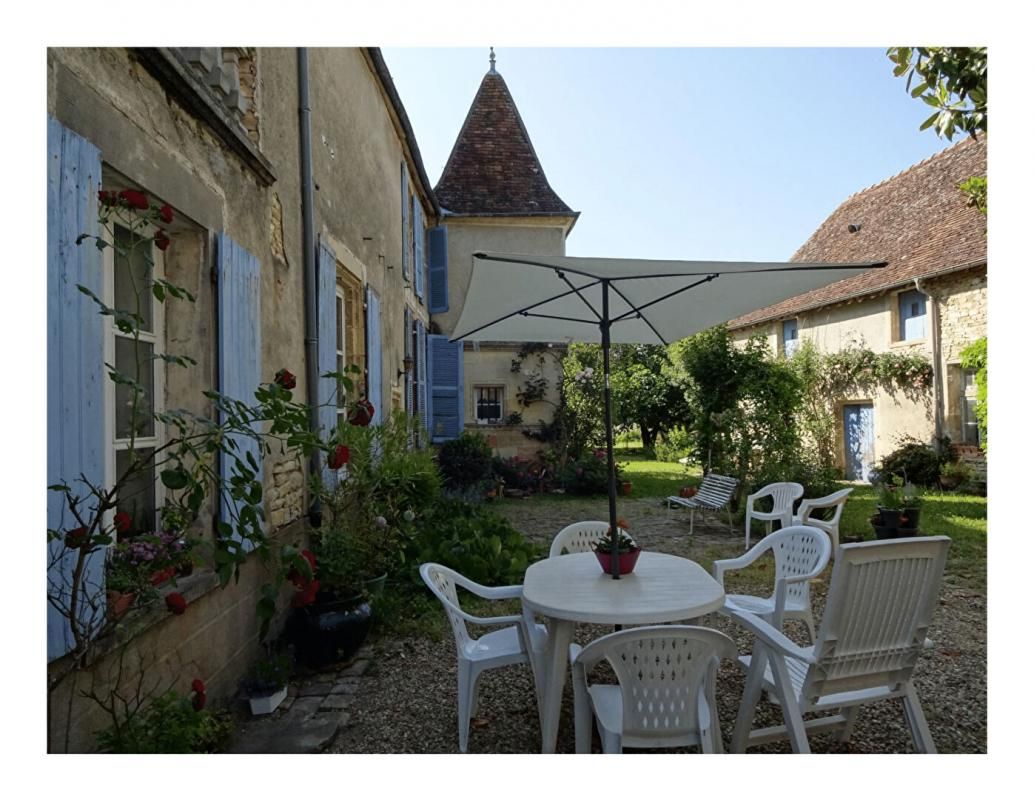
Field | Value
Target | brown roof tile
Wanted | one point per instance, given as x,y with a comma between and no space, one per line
917,221
493,168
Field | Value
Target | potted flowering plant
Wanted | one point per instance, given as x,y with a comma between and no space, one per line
266,684
897,509
628,550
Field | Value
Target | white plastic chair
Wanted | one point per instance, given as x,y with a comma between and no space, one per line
881,599
801,553
579,537
494,649
665,695
836,500
783,497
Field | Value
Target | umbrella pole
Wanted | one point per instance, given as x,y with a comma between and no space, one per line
608,417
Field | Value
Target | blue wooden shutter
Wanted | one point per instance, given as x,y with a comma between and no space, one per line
240,362
373,353
407,338
422,409
438,269
77,435
419,233
405,221
912,315
326,298
445,360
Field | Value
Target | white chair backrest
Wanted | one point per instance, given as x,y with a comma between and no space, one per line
836,500
798,550
664,672
783,495
579,537
881,599
442,581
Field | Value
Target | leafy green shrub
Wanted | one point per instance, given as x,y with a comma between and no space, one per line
817,480
518,473
586,475
474,541
465,462
915,462
673,445
168,725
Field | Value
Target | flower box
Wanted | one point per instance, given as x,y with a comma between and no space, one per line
267,703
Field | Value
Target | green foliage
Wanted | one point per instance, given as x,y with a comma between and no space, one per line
606,544
974,356
587,475
951,80
270,672
168,725
466,462
474,541
674,444
975,189
583,385
915,462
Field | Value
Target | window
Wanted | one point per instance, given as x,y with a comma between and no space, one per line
351,330
340,347
488,404
790,340
135,433
970,426
911,316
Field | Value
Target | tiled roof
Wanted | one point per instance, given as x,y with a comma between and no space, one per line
917,221
493,168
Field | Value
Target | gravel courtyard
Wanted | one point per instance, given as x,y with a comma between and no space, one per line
407,703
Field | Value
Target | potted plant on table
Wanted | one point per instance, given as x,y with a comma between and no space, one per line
266,684
628,550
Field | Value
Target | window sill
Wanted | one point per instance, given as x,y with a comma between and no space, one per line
904,344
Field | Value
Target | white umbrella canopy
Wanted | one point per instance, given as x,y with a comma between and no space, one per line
520,298
515,297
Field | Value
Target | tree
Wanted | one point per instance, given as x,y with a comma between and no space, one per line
953,81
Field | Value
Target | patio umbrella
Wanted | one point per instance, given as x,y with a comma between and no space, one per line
525,298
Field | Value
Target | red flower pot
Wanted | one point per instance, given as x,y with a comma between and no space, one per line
626,561
158,578
626,487
119,603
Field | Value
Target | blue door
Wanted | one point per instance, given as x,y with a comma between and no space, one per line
859,441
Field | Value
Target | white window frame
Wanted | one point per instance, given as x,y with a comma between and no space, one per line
796,339
968,393
156,339
341,328
502,403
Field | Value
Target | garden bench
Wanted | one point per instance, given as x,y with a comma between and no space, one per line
715,493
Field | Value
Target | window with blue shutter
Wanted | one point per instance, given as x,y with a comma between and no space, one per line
438,269
419,265
423,409
790,340
405,221
445,367
76,432
326,301
240,362
407,338
911,316
373,353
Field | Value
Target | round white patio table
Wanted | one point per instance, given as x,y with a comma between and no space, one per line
573,588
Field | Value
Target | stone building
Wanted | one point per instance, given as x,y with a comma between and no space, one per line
930,299
494,197
215,134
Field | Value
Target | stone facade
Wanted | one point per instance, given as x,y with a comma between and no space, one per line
222,148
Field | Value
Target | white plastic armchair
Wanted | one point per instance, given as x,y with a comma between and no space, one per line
497,648
783,497
881,600
837,501
579,537
665,695
801,553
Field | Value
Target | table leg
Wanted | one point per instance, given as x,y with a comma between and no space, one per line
558,642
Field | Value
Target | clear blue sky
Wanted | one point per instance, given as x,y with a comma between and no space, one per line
702,153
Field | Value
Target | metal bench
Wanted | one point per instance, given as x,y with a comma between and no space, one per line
715,493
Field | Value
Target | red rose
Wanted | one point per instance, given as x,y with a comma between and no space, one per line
135,199
338,457
362,413
285,379
162,240
308,556
107,198
76,538
123,522
306,596
198,701
197,685
176,603
165,212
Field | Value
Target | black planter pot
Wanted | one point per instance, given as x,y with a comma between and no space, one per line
888,524
330,630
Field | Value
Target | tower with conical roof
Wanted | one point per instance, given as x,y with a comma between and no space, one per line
495,197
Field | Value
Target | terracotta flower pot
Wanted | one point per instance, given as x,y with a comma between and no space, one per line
119,603
158,578
626,487
626,561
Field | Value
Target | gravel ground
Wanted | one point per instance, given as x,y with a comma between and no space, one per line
407,703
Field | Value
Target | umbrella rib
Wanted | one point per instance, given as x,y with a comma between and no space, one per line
640,316
562,319
518,312
560,274
637,310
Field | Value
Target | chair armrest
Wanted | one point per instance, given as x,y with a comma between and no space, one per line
772,637
489,592
720,567
509,619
